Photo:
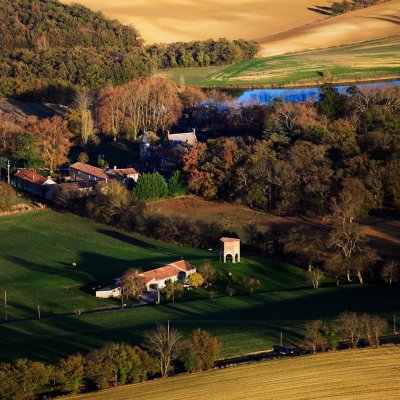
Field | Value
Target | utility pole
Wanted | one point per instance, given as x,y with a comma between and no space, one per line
5,304
38,310
8,172
281,339
394,325
168,334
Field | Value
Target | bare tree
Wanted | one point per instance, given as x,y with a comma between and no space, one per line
335,265
362,262
391,272
350,327
378,327
133,284
162,343
346,240
314,276
252,284
314,335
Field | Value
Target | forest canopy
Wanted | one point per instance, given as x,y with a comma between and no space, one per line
48,50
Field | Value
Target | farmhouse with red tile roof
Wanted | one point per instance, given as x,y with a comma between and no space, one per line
32,182
160,277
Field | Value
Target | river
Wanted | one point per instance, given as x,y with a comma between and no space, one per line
265,96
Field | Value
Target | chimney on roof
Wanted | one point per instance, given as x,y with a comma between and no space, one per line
115,167
194,131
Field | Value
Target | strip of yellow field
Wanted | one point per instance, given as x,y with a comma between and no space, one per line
375,22
348,375
185,20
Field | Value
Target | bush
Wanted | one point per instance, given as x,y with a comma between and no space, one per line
151,187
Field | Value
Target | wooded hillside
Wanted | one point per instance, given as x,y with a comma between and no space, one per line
45,43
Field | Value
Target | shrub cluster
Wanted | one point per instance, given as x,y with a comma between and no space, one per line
114,364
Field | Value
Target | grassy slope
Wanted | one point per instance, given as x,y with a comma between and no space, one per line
363,61
361,374
37,248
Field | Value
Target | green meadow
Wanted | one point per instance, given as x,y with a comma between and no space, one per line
367,61
36,250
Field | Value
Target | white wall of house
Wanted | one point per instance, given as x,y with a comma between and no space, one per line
109,293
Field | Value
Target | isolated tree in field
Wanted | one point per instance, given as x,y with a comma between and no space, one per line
133,284
314,335
151,187
195,280
252,284
335,266
390,272
162,343
315,276
208,272
349,327
206,349
70,374
173,290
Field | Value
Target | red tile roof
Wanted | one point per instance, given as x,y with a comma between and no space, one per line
229,240
90,170
122,172
30,176
167,271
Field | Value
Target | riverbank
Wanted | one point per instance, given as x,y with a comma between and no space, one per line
372,61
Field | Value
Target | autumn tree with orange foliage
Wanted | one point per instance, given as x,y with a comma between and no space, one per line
149,104
54,139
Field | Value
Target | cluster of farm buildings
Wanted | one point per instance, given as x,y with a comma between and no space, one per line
84,177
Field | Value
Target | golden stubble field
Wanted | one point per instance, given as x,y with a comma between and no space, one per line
372,374
281,26
185,20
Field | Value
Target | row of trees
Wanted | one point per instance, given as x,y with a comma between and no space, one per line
349,327
201,53
345,6
164,351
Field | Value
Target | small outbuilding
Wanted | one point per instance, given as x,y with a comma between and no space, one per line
229,250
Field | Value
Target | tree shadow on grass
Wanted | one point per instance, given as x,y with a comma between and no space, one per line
321,10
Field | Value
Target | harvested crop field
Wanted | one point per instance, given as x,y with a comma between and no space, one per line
379,21
184,20
280,26
353,375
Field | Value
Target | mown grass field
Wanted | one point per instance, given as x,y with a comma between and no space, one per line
361,374
371,60
36,249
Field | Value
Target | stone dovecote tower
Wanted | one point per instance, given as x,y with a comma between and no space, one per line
229,250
